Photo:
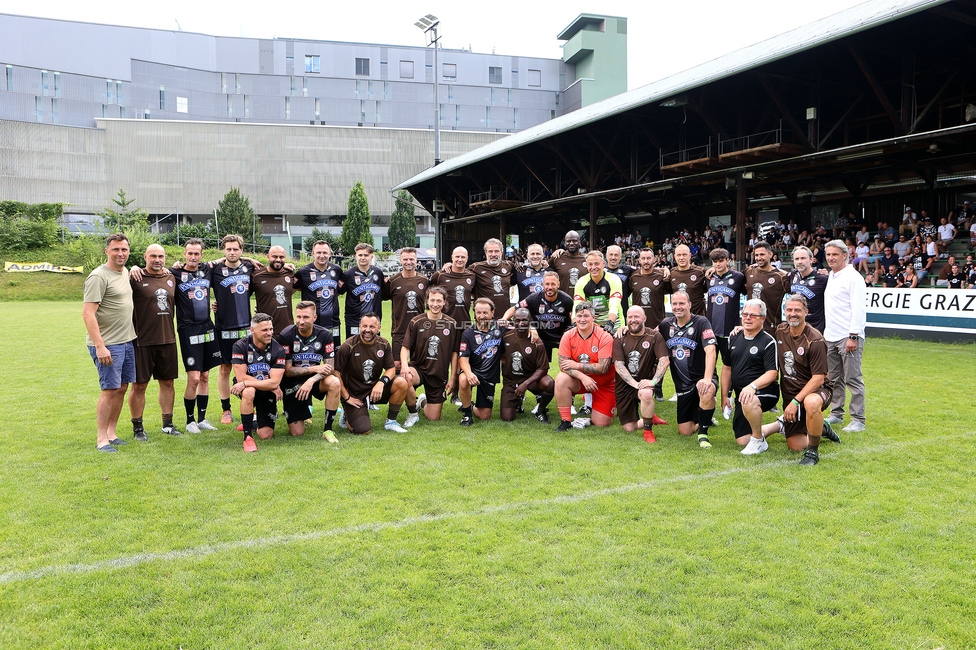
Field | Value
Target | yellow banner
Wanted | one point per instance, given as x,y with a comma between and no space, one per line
30,267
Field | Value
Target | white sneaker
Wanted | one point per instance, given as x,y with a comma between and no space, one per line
421,402
581,423
854,427
727,412
833,419
412,419
192,427
393,425
673,398
371,406
206,426
572,409
755,446
535,409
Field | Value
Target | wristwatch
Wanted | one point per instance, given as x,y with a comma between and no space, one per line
854,337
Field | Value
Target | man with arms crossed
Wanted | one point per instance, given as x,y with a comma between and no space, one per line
153,304
309,354
479,360
751,373
691,346
525,368
844,308
365,366
107,313
640,358
259,365
585,355
806,387
430,357
319,282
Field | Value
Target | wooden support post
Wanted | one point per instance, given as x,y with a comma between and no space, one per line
592,223
741,205
502,233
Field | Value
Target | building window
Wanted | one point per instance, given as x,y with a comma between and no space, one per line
54,111
118,92
494,75
287,108
362,67
311,63
109,91
406,69
535,78
182,105
237,83
318,107
450,71
145,114
247,107
10,77
38,109
44,82
162,98
304,86
230,106
57,84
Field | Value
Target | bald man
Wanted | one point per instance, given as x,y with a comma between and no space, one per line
153,307
689,278
459,283
273,287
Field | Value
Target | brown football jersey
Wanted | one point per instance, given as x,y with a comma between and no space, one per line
570,269
800,358
153,307
647,292
521,357
272,295
430,344
493,283
640,353
408,298
770,287
460,294
691,280
360,366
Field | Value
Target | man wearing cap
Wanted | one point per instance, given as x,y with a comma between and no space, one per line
926,227
947,232
908,223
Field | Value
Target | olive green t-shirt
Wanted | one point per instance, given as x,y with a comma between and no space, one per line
113,293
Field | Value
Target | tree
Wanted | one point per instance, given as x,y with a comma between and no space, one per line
355,229
322,235
235,217
121,217
403,226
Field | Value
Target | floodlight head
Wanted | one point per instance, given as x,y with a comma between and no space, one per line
431,17
420,25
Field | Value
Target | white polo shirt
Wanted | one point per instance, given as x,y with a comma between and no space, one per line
844,304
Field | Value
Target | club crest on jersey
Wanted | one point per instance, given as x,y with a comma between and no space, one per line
379,354
693,277
645,345
680,354
184,277
772,280
594,349
657,282
226,272
753,350
799,351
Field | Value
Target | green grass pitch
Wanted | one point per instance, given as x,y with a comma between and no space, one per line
504,535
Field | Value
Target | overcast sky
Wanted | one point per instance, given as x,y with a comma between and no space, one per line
664,36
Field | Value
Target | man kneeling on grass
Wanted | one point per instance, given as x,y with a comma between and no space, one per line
640,358
525,368
585,353
365,367
259,365
806,383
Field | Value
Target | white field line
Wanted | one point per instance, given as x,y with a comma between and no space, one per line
127,561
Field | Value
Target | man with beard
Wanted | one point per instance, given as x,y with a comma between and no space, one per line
648,286
363,286
319,282
259,365
493,277
689,278
458,284
806,386
529,279
725,288
153,302
364,364
429,356
273,287
570,264
525,368
752,374
309,353
405,291
811,284
585,355
479,360
640,359
622,271
691,346
767,283
550,311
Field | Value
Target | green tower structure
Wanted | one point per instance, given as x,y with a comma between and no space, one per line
597,47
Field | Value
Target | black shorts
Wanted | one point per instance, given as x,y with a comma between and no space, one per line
800,426
396,344
266,408
434,387
722,343
628,404
358,417
688,403
740,425
156,362
199,347
509,400
297,410
485,393
227,339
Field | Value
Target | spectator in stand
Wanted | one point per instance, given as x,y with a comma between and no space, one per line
943,279
909,278
860,260
887,261
891,278
968,267
920,262
902,248
964,216
887,233
908,223
947,232
956,279
930,248
876,252
972,236
925,227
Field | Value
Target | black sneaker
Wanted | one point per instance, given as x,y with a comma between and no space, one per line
141,436
521,407
584,410
564,426
810,457
467,421
543,416
828,433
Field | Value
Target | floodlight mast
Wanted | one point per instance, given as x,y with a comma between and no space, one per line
429,24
